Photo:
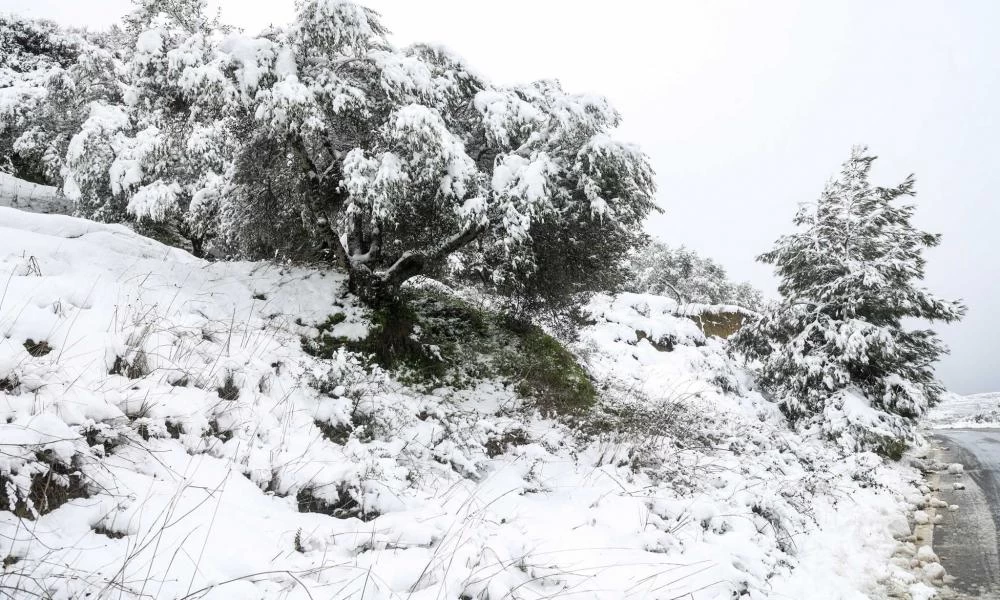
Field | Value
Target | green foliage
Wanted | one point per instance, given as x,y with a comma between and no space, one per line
890,447
546,371
432,339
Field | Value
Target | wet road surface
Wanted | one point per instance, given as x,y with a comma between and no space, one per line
966,540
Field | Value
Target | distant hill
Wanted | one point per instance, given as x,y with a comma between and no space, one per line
976,410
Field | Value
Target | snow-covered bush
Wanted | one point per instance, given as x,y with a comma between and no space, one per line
835,348
40,69
682,274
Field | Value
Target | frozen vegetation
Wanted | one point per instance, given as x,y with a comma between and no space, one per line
975,411
304,314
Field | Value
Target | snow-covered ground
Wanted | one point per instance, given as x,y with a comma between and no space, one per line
173,396
18,193
975,411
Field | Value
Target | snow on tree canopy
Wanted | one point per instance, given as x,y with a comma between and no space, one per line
682,274
323,140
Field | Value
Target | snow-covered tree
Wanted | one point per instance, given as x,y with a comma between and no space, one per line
35,57
158,155
683,274
836,346
323,140
405,162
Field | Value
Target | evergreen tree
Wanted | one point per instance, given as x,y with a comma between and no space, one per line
404,162
848,278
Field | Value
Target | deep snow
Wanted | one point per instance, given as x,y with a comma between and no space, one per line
193,493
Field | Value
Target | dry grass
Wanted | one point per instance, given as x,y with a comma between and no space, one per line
719,323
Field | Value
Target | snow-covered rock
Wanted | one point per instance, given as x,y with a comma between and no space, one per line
926,554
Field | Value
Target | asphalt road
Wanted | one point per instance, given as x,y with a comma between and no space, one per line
966,540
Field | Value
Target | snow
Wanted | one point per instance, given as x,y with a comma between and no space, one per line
523,188
965,412
718,499
149,42
506,115
254,57
17,193
154,201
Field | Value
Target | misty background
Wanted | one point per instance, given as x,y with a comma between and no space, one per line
746,109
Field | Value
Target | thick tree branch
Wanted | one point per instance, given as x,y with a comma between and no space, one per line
411,264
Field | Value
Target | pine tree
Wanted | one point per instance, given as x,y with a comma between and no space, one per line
848,278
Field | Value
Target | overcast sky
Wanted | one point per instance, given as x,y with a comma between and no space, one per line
746,108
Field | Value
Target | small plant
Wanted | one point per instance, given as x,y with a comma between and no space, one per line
137,368
103,436
345,507
325,344
497,445
338,434
102,530
228,390
298,541
51,487
174,429
36,349
9,383
214,430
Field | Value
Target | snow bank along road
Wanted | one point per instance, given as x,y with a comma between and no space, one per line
966,540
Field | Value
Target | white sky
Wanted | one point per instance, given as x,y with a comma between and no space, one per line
746,108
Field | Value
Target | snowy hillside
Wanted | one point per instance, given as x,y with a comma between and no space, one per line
974,411
166,436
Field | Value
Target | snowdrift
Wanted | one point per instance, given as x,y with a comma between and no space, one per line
165,436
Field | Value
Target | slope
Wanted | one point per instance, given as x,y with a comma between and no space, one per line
165,435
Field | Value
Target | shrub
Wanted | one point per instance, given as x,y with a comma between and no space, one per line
345,507
36,349
53,483
434,338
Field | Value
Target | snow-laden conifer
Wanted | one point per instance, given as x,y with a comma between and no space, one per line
838,345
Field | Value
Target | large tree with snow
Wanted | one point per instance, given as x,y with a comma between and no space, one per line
405,162
849,277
